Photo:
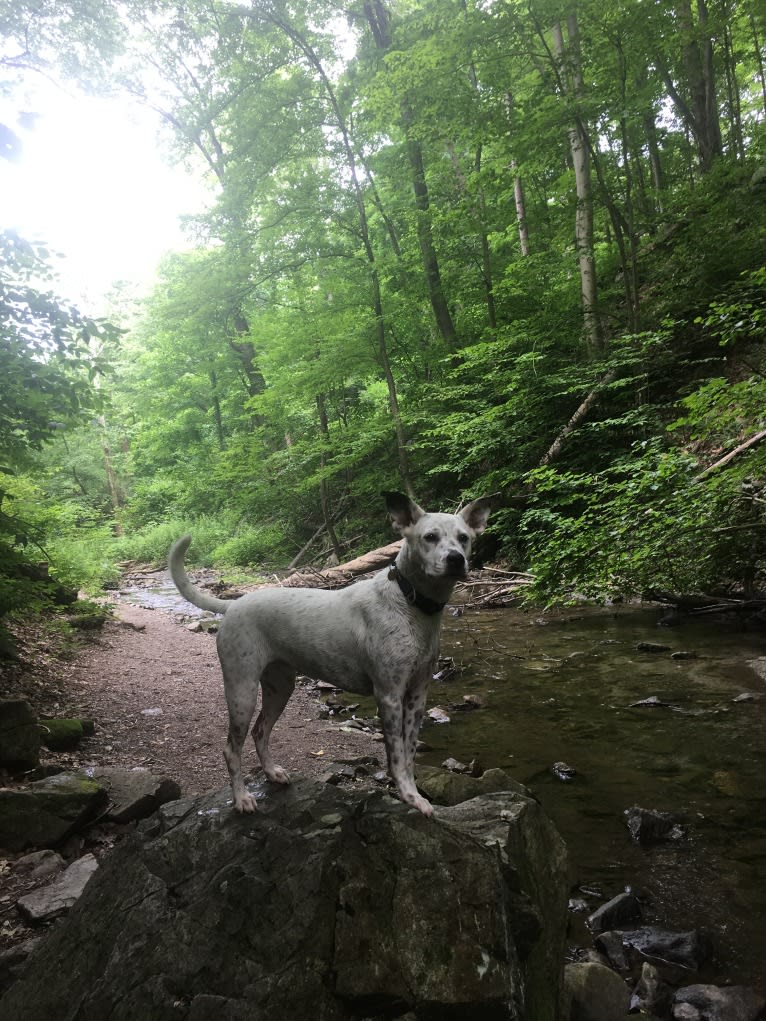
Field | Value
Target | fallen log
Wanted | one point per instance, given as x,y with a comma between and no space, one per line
334,577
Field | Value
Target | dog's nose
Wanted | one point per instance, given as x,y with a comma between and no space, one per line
455,562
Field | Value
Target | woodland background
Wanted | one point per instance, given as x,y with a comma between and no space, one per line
457,247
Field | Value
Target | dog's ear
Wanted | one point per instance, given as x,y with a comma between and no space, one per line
475,514
404,512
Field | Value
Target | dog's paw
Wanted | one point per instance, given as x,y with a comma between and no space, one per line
246,803
278,775
422,805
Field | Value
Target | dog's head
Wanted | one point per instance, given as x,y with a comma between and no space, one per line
439,543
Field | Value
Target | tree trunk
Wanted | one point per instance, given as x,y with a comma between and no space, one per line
431,268
217,410
378,16
759,59
736,138
518,188
578,143
111,478
245,350
631,285
653,147
324,495
479,209
378,20
521,210
700,113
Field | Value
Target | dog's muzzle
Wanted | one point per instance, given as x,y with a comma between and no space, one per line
455,564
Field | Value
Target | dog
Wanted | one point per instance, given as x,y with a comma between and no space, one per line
378,636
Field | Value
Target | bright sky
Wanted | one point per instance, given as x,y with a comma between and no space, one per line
93,185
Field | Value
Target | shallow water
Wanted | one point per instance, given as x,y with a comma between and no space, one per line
156,591
560,687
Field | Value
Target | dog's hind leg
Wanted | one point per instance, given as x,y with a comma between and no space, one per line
277,685
241,700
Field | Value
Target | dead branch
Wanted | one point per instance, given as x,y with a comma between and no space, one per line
732,454
593,397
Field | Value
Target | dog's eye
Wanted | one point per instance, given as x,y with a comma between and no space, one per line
431,537
463,539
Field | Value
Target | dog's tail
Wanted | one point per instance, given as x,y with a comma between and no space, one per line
184,586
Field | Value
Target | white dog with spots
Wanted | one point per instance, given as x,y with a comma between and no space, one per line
379,637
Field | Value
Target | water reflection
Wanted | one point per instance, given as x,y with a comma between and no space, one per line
564,688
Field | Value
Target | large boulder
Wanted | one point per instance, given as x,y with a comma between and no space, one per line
328,903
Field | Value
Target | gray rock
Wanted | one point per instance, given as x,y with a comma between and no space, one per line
655,647
594,993
577,905
39,863
55,899
442,787
564,772
715,1003
280,915
514,824
648,826
687,949
134,793
651,994
19,735
610,944
46,812
617,912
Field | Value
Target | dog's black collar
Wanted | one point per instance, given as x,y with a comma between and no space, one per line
411,594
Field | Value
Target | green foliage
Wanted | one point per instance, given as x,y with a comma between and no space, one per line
253,547
152,543
49,355
643,527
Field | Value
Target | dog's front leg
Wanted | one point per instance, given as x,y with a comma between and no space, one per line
393,715
414,708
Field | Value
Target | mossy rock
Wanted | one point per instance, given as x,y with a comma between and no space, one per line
63,735
46,812
445,788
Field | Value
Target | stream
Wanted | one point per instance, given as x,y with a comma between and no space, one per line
561,687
